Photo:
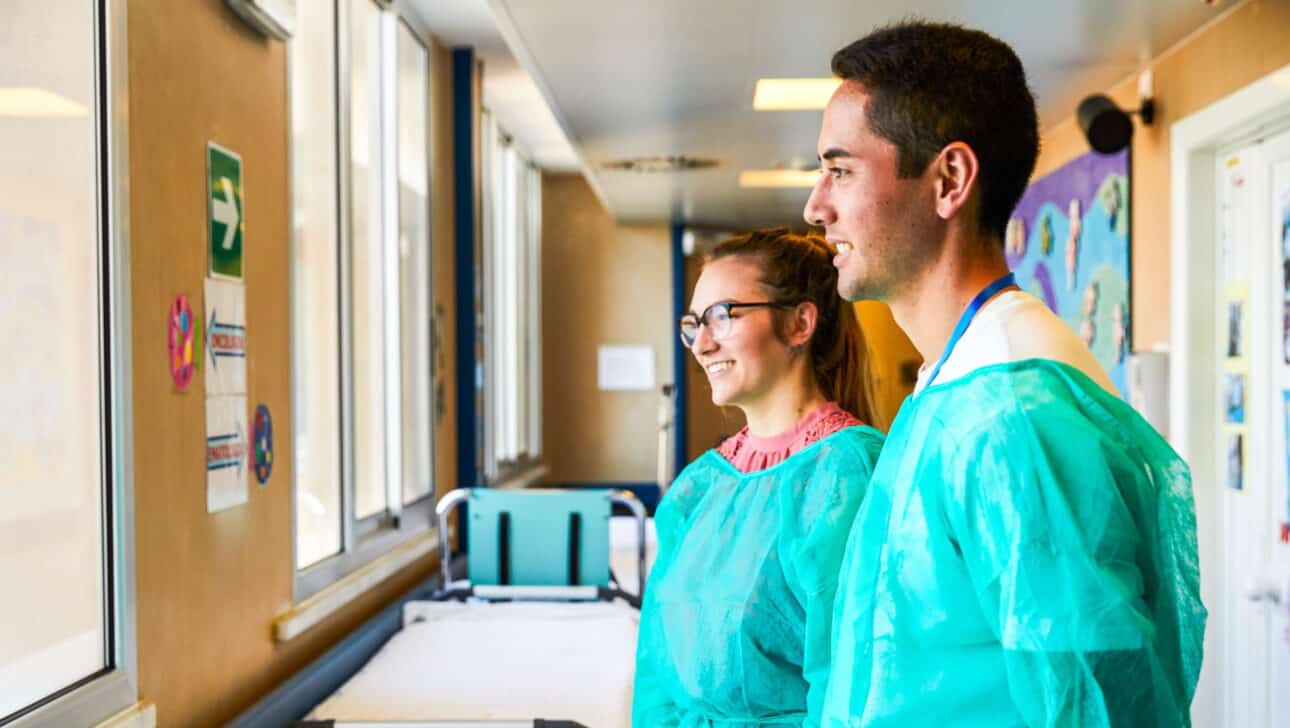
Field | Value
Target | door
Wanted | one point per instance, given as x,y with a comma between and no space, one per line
1253,395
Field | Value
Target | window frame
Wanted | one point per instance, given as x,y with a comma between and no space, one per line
365,540
511,207
116,687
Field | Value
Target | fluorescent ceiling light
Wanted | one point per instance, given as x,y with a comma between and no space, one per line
27,101
778,177
779,94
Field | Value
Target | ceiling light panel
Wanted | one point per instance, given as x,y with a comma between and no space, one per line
783,94
762,178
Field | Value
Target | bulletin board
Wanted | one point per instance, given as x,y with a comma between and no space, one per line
1068,242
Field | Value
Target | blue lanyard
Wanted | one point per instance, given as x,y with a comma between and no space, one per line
966,318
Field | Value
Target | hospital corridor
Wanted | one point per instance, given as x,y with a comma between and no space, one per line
708,364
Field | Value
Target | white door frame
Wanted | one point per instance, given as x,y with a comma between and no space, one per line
1193,329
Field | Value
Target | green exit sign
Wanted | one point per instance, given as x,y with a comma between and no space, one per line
224,209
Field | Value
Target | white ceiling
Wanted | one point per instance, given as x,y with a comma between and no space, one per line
666,77
510,92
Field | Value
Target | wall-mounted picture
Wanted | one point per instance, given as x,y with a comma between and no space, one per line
1068,244
1235,461
1234,398
1285,344
1285,271
1235,314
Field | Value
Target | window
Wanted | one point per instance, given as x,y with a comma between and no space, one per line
512,314
66,542
361,313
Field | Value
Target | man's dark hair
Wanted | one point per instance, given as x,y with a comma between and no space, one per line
931,84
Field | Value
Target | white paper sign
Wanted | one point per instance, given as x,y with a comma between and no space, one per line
625,368
225,338
226,450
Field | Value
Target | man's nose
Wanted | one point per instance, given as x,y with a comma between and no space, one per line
817,212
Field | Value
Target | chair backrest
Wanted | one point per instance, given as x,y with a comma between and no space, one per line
539,537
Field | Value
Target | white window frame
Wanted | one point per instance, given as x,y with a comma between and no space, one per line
512,285
115,688
364,541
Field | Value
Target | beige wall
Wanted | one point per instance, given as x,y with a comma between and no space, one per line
602,284
1242,47
210,585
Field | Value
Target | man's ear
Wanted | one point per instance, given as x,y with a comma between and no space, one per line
957,170
805,317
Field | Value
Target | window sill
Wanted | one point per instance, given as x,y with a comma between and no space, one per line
522,477
141,715
335,597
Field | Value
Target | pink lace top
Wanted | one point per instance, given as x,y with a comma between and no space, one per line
749,453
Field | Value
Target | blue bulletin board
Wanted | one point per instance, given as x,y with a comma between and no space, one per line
1068,243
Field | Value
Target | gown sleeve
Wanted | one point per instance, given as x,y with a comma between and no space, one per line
815,539
651,704
1059,523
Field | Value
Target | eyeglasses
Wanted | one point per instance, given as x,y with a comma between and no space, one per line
717,318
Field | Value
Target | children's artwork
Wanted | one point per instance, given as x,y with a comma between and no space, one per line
1234,397
1068,244
180,333
1235,328
226,449
1236,461
1283,216
262,439
225,338
1285,407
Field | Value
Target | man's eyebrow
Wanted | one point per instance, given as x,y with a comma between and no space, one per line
835,153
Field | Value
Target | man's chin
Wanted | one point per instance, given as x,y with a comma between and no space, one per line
854,291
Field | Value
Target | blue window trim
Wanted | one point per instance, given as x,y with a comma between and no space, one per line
679,427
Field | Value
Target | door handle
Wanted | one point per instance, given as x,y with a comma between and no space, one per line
1263,593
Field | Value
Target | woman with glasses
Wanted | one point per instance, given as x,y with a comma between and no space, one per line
735,625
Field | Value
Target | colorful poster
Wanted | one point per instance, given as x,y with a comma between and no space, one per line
1236,460
180,335
1283,219
224,206
1285,453
1068,243
225,338
226,451
1234,397
1234,331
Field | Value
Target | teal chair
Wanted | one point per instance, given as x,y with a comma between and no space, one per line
539,544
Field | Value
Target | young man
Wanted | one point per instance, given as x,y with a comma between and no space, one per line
1026,554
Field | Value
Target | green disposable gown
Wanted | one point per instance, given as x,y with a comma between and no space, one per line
1025,556
737,614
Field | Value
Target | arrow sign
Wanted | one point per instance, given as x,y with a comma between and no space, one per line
226,211
226,337
224,340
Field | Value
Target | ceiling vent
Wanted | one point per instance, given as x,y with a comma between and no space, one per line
655,165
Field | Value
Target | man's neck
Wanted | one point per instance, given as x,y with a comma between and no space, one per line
929,308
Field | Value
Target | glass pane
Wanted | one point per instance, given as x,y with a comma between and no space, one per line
52,628
367,258
414,262
510,305
315,322
533,332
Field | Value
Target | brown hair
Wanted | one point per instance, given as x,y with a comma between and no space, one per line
935,83
799,269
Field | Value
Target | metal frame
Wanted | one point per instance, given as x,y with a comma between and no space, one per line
363,540
452,500
116,688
